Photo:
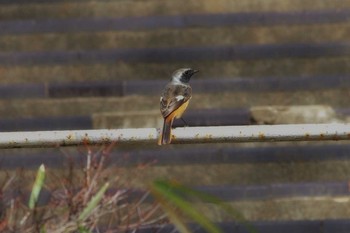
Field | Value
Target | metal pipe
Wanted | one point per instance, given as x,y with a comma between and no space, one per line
215,134
265,133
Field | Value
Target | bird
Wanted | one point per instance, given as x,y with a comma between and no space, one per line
174,100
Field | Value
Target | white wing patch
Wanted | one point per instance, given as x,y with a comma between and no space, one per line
179,97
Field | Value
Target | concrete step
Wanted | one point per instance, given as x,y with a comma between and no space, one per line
306,114
176,54
9,10
244,19
21,108
279,155
119,71
135,119
263,165
189,36
151,87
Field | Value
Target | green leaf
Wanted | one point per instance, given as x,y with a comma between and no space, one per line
174,217
186,191
83,230
38,184
162,189
93,203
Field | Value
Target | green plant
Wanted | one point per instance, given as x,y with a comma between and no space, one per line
81,200
174,198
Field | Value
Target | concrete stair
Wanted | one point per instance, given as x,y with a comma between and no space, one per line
190,164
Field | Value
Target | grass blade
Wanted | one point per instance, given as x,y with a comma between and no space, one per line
38,184
209,199
171,194
171,213
93,203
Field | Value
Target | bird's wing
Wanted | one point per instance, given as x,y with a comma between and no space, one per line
173,97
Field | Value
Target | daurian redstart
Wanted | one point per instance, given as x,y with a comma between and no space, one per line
174,100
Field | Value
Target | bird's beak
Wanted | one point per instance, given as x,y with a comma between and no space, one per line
195,71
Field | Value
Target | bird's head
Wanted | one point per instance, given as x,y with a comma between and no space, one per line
183,75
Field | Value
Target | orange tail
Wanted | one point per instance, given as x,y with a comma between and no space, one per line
165,136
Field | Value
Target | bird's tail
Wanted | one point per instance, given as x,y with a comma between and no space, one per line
165,136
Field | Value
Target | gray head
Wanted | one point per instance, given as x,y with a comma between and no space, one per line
183,75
